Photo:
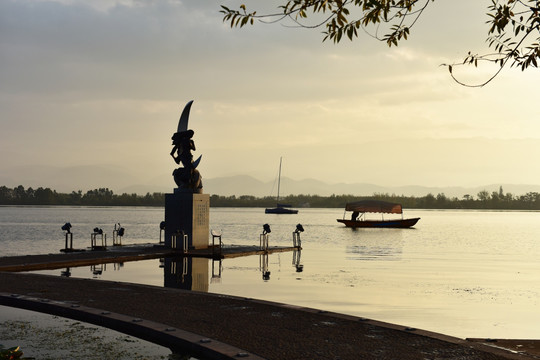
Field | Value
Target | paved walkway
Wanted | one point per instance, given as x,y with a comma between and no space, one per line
247,328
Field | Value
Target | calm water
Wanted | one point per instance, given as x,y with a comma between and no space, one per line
461,273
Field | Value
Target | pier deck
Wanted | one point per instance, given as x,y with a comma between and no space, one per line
117,254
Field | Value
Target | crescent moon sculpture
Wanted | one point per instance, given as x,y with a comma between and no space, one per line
187,176
184,118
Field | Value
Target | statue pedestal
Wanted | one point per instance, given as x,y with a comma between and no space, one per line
190,213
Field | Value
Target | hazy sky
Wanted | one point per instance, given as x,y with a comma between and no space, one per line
104,83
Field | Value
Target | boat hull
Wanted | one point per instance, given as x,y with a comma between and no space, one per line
399,223
280,210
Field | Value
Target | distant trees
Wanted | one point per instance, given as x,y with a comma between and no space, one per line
105,197
96,197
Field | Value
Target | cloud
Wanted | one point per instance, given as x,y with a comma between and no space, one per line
104,82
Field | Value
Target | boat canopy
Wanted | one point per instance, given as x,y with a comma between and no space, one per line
374,206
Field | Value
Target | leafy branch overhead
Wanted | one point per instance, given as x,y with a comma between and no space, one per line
514,25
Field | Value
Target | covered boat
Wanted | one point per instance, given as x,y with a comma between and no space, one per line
360,208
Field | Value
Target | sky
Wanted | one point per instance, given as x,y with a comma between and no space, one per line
102,84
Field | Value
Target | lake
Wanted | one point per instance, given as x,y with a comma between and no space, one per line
461,273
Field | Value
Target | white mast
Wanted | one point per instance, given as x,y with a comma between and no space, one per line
279,179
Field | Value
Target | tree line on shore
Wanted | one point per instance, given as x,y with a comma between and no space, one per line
105,197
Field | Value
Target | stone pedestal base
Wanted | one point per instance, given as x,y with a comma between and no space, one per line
190,213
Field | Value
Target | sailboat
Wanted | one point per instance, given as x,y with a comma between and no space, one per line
280,208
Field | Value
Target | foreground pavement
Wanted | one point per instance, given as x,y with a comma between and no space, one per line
218,326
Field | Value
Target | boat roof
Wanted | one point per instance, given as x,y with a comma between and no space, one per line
374,206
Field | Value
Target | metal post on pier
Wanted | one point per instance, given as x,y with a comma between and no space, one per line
117,235
173,241
69,237
263,238
216,235
185,240
70,247
93,239
297,243
161,230
185,243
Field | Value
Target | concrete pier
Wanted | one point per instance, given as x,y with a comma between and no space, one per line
126,253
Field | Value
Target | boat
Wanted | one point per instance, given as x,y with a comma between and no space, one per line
280,208
360,208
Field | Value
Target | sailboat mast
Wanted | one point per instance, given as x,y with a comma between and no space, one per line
279,179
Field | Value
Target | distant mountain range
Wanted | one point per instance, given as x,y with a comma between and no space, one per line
247,185
121,181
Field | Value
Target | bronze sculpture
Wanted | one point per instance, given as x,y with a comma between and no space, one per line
187,176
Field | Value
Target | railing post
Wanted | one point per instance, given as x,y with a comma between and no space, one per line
263,238
70,236
185,243
263,241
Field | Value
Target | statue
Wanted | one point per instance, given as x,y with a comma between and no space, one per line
187,176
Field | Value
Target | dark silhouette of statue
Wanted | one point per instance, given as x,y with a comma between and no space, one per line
187,176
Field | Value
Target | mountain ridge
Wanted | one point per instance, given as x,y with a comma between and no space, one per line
120,180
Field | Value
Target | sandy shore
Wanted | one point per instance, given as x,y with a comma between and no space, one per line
268,330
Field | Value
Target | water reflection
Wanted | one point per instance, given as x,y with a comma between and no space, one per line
216,273
387,245
263,267
189,273
296,260
381,252
98,269
66,273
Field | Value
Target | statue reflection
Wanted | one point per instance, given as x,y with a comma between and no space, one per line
193,273
189,273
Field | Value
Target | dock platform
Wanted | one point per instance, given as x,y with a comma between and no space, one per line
125,253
